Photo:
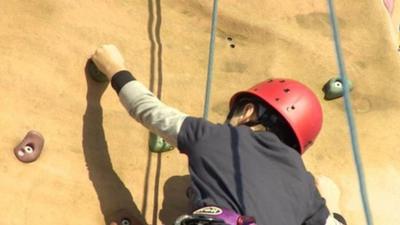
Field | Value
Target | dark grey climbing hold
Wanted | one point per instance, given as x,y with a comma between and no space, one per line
334,88
158,144
30,147
95,73
123,217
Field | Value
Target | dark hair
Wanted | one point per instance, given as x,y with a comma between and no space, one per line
267,116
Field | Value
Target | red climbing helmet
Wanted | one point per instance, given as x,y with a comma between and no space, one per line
296,103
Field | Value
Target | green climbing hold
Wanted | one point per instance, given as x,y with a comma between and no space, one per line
158,144
95,73
334,88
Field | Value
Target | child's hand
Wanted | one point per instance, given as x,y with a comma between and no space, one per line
109,60
330,192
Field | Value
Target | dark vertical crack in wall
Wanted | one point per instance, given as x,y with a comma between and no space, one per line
156,74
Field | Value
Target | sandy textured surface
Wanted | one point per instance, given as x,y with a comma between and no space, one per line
96,160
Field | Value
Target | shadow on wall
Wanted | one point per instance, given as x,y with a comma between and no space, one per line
113,196
175,202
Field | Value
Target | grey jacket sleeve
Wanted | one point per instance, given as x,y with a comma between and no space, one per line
147,109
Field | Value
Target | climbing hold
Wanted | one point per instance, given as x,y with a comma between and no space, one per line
30,147
158,144
334,88
125,222
122,217
95,73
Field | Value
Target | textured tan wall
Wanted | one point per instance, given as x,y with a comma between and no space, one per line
95,160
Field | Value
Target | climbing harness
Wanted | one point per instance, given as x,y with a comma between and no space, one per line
212,215
349,114
198,220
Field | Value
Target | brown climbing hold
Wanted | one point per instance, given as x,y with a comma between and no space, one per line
30,147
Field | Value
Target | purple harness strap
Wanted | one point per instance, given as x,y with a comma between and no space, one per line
229,216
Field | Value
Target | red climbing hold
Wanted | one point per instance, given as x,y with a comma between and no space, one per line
30,147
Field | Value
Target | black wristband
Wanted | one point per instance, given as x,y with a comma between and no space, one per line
339,218
120,79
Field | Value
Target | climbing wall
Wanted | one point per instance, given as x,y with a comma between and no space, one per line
95,165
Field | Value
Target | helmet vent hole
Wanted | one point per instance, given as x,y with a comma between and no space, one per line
277,99
290,108
286,90
282,81
270,81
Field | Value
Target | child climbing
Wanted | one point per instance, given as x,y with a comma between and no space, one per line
248,170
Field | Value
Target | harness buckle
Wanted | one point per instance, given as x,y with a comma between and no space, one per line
212,215
198,220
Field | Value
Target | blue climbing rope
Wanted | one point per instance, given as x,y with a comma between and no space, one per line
349,114
210,59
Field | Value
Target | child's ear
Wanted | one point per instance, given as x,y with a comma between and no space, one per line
248,111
